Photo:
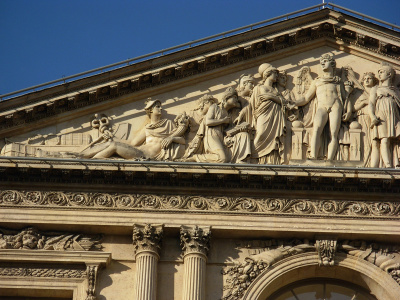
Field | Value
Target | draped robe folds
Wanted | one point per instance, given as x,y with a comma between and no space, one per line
387,110
161,130
269,123
213,141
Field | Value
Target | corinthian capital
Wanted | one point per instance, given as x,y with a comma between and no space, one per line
147,237
195,239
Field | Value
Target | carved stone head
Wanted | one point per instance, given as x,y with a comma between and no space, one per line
386,72
326,61
246,85
369,79
150,105
265,70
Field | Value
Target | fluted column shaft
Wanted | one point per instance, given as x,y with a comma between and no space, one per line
195,243
146,278
147,241
194,282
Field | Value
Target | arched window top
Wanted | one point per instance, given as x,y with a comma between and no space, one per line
322,289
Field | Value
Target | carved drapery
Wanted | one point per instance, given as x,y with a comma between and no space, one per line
195,244
147,240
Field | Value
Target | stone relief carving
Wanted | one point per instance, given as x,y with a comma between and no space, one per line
334,117
268,206
92,277
195,239
147,237
31,239
40,271
242,274
326,251
262,254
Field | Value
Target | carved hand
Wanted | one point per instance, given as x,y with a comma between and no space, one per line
346,117
166,142
375,122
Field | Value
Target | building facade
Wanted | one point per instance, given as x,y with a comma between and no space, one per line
258,166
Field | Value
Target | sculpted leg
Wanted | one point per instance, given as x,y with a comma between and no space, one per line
375,154
334,126
320,119
107,152
385,152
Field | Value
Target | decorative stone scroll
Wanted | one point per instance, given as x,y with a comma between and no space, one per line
268,252
31,239
333,117
267,206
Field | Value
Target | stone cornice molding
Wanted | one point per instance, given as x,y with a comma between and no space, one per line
382,209
147,238
83,96
47,256
195,240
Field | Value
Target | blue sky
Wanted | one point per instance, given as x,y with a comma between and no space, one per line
44,40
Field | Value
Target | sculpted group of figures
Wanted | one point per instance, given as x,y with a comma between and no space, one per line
253,123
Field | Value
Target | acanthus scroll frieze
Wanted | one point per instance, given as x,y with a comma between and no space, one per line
212,204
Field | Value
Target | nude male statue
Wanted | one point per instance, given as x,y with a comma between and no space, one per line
330,94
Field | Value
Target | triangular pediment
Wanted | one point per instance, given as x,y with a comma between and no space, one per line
65,119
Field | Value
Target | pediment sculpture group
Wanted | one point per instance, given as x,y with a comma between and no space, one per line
329,118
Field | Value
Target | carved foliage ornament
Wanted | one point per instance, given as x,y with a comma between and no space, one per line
31,239
241,274
200,203
147,237
40,271
195,239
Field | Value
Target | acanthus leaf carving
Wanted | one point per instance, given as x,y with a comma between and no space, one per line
195,239
326,249
147,237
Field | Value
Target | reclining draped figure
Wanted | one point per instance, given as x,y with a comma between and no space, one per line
161,139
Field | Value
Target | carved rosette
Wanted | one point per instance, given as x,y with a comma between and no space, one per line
326,252
195,240
147,238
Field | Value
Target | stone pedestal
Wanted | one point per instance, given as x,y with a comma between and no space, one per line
355,143
297,141
147,241
195,243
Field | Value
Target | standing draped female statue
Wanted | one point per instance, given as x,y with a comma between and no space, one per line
268,118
